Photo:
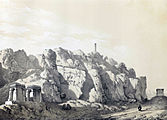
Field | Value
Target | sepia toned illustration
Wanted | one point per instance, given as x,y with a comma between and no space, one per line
83,60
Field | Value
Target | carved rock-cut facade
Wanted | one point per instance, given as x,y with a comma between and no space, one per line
19,93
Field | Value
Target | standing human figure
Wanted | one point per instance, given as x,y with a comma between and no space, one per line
139,107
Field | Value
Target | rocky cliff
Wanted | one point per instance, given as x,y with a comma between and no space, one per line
65,75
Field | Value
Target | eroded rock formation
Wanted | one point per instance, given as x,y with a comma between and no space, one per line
76,75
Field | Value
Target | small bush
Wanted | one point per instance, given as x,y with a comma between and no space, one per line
63,95
66,107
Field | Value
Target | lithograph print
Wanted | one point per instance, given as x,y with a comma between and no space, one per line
83,59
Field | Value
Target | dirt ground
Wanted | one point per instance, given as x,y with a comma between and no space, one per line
42,111
147,113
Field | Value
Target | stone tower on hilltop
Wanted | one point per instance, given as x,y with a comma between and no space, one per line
95,47
159,92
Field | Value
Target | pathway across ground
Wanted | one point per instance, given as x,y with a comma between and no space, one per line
134,114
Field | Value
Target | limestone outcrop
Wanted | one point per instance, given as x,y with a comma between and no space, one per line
100,79
16,64
75,75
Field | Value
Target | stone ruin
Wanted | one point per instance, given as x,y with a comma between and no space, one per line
33,93
159,92
19,93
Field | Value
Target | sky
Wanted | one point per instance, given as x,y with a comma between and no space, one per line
130,31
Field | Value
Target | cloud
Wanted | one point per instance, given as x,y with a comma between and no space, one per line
7,3
132,31
8,28
39,26
37,29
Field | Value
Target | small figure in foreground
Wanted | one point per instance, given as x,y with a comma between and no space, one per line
139,107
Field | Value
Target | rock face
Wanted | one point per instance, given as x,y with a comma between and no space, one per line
90,77
13,66
100,79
